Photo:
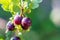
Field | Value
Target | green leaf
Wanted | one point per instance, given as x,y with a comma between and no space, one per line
5,7
16,8
39,1
11,7
16,2
33,5
5,2
36,1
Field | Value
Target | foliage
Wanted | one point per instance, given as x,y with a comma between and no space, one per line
14,5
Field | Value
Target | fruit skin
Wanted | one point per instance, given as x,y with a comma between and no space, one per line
26,23
17,19
16,38
10,26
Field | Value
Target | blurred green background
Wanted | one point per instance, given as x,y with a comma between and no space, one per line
42,27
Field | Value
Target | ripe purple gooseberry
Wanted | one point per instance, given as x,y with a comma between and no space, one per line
16,38
17,19
26,23
10,26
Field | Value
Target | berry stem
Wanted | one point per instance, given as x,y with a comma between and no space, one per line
22,9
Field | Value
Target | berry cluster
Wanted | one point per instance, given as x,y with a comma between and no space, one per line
24,22
19,23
